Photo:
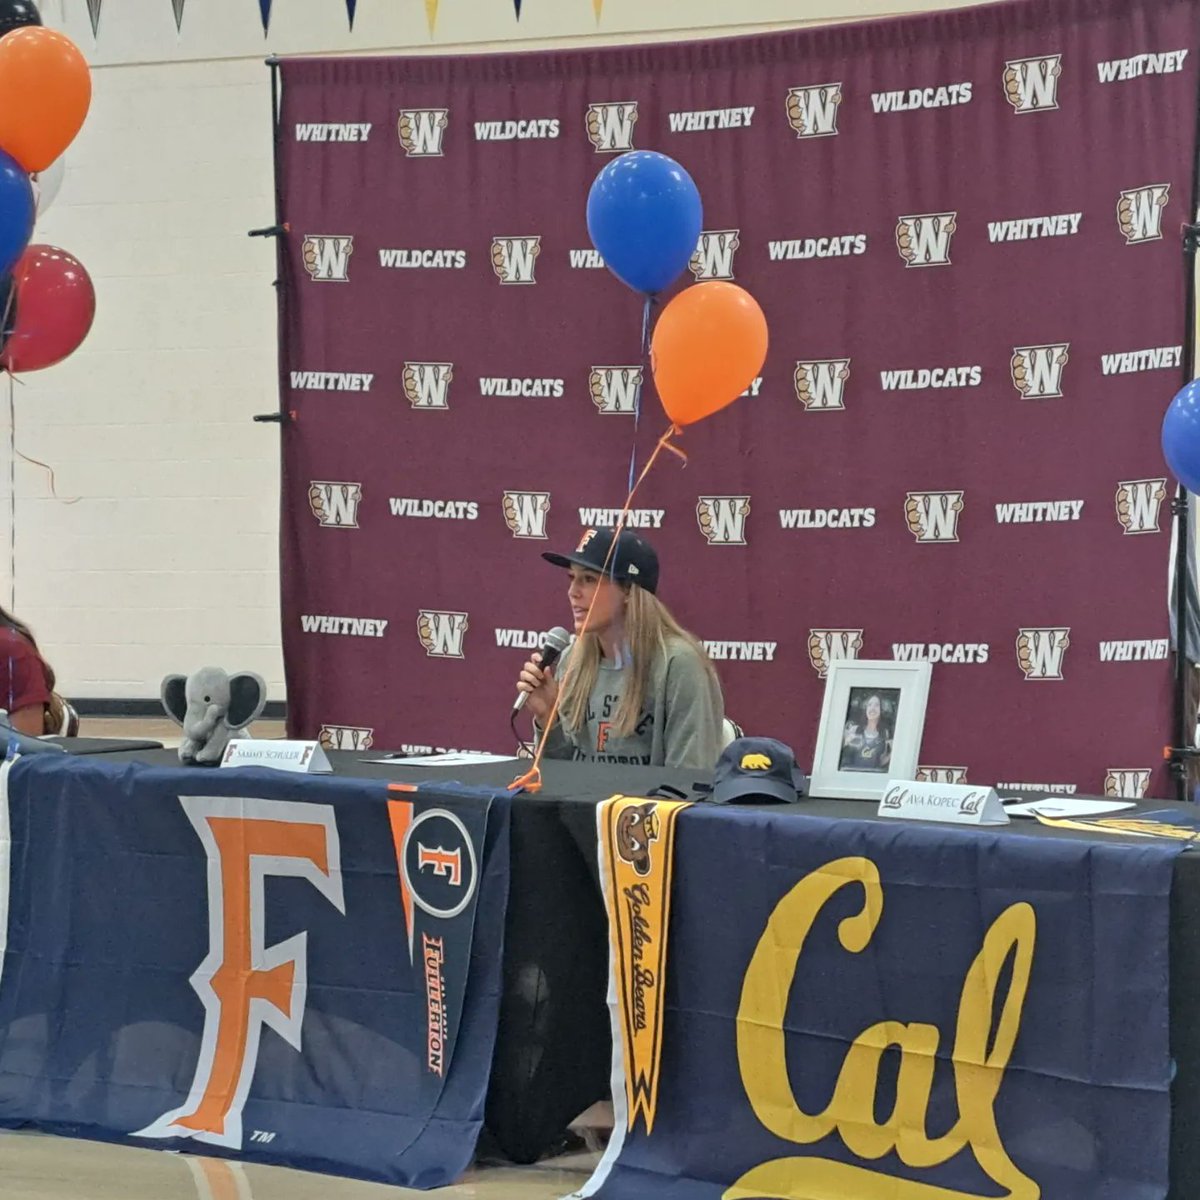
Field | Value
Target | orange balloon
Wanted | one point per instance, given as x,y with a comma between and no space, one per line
708,347
45,90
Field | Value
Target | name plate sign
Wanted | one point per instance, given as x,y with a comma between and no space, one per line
308,758
953,802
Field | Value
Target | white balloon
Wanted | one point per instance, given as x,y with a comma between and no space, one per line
47,183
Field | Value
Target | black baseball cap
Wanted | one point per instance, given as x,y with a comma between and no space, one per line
754,768
633,560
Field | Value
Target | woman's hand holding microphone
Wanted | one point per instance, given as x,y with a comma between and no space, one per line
539,685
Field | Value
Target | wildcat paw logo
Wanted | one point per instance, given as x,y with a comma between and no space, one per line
812,112
923,240
427,384
1139,505
637,829
610,126
933,516
327,257
722,519
941,774
525,513
1122,783
421,131
1140,213
335,504
442,633
821,384
1031,84
1037,371
1040,653
826,646
616,390
514,258
346,737
713,257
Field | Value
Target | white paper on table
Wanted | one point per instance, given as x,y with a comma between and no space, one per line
1063,806
457,759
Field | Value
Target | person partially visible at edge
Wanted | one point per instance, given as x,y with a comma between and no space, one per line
26,680
636,686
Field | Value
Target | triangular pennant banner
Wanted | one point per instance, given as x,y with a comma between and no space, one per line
598,5
94,13
518,6
351,5
265,8
431,13
177,5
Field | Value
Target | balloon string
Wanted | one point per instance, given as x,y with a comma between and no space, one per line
37,462
637,399
531,781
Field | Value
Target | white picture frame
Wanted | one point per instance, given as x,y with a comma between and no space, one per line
855,756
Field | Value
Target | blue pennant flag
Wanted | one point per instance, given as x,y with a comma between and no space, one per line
94,13
177,5
351,5
265,6
517,6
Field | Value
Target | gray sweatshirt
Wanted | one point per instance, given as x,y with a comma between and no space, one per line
681,724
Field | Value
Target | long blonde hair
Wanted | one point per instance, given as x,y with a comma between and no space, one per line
648,627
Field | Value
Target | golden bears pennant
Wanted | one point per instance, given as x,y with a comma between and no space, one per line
636,854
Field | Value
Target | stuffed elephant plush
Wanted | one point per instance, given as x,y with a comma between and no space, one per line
213,708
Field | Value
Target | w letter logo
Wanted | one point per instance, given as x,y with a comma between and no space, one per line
1040,652
243,983
327,258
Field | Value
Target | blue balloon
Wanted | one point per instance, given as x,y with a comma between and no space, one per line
1181,436
17,211
644,216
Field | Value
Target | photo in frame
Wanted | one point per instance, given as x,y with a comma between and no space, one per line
872,719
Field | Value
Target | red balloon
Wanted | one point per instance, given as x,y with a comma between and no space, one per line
55,304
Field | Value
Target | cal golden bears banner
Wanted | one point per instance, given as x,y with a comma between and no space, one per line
963,228
286,969
637,840
860,1012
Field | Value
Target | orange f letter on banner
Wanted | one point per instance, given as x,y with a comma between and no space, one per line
243,983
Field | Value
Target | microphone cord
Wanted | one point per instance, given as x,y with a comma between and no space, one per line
524,748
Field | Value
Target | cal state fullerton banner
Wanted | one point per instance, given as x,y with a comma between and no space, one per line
964,230
288,970
876,1013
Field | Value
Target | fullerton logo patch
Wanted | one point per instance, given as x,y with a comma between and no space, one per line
514,258
244,984
933,516
525,513
421,131
1139,502
427,384
1140,213
827,646
722,519
923,240
713,257
941,774
821,384
1040,652
346,737
1037,371
327,257
1031,84
442,633
616,390
333,132
610,126
334,504
813,111
1124,783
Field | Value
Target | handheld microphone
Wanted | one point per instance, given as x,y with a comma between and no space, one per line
553,645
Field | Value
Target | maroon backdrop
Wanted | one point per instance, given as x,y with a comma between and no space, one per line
964,230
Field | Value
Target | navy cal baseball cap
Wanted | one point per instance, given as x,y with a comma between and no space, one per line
753,768
633,561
